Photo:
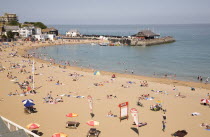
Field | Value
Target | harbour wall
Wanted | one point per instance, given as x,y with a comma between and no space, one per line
157,41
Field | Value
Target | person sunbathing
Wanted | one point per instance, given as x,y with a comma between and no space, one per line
140,124
203,125
111,115
58,99
113,76
10,94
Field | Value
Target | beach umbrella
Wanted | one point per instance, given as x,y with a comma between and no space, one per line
28,102
72,115
33,126
97,73
92,123
204,100
59,135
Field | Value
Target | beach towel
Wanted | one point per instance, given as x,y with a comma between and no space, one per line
207,129
151,98
111,115
195,114
75,96
80,97
63,95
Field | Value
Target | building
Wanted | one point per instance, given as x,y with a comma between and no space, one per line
50,31
38,31
44,37
27,31
1,30
146,34
73,33
8,18
14,29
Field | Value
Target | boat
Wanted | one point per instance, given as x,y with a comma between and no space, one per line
93,44
103,44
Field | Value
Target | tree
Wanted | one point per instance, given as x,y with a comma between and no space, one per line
14,23
10,35
37,24
4,37
40,25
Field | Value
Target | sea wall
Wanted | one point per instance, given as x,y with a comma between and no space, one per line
157,41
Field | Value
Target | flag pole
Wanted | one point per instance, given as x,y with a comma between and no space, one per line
33,69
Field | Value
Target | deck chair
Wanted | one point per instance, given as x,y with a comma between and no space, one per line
72,124
140,104
30,110
93,132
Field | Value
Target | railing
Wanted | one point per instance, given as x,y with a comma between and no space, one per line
10,123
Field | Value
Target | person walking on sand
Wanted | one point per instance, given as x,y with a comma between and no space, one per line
164,126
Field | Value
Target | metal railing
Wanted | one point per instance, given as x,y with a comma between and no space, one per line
9,124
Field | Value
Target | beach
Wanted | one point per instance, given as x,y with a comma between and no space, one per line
123,88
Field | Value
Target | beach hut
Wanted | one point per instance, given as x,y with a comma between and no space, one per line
97,73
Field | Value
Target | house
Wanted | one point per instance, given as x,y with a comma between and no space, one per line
27,32
1,30
73,33
38,31
50,31
14,29
8,18
11,28
146,34
44,37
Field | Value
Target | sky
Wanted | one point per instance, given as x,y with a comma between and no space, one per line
91,12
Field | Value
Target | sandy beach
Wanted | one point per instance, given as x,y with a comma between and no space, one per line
52,116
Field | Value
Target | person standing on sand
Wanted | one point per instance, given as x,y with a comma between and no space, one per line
207,80
164,126
164,117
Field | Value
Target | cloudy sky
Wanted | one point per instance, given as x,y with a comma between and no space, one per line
109,11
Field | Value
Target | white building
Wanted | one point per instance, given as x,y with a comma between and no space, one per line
44,37
26,31
73,33
38,31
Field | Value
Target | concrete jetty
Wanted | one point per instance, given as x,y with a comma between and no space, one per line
157,41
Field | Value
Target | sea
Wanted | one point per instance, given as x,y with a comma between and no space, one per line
185,59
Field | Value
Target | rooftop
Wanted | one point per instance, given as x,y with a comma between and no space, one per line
146,33
8,28
49,29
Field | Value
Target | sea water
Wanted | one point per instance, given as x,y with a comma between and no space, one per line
184,59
